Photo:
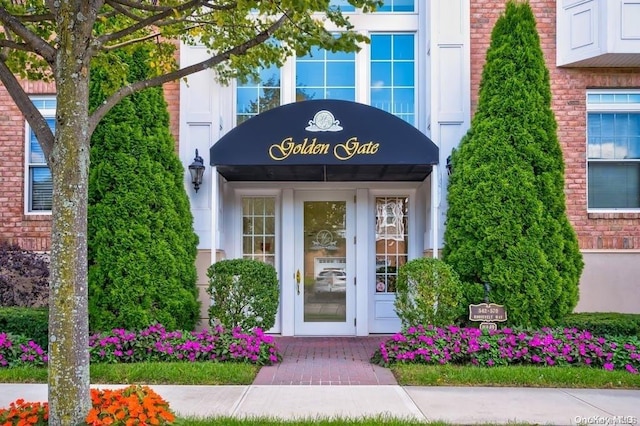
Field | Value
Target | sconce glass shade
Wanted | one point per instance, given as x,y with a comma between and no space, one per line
197,171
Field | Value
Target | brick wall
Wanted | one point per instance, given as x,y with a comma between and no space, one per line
595,231
29,231
568,86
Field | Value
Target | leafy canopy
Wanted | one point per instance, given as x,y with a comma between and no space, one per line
61,40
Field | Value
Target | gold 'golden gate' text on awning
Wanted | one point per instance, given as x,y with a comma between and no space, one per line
342,151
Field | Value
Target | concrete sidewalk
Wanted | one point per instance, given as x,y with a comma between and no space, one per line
456,405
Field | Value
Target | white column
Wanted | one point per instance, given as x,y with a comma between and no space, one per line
287,277
435,208
363,262
450,105
215,211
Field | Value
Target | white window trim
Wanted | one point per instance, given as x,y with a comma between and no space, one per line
239,194
606,107
46,113
366,24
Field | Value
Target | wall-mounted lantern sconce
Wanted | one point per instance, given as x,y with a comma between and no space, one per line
197,171
449,166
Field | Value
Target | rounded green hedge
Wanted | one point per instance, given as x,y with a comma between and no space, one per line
244,293
428,292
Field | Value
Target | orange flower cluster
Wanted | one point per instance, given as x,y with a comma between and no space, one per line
134,405
21,413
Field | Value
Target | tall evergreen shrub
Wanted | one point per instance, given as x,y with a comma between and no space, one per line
506,223
142,246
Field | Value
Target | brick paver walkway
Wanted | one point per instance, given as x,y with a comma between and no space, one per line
326,361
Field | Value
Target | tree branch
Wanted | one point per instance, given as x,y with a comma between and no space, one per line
35,18
34,117
261,37
38,45
10,44
148,22
130,42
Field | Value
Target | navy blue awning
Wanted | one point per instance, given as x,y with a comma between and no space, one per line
324,140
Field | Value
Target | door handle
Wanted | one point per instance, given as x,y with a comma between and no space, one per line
298,280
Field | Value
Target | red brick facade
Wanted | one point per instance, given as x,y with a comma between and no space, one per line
568,87
595,231
29,231
33,231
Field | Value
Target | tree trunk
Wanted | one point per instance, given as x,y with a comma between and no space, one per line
69,393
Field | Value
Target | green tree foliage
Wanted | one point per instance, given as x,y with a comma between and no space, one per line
60,41
142,246
507,223
245,293
428,293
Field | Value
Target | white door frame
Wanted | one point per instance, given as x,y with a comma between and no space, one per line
348,327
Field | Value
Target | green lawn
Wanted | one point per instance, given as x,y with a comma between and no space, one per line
202,373
151,373
518,376
208,373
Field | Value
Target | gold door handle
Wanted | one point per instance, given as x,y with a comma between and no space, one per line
298,280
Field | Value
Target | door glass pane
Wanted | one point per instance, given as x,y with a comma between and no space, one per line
258,229
392,241
325,279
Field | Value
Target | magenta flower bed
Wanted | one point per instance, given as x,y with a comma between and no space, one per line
155,344
471,346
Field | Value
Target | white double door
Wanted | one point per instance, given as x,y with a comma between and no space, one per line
324,262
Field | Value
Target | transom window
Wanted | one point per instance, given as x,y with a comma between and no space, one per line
39,183
613,150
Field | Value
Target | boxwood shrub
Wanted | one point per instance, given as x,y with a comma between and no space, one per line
428,292
32,323
244,293
604,323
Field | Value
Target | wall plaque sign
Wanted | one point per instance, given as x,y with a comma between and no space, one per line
487,312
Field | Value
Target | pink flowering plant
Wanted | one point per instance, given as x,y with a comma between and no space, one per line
155,343
19,350
471,346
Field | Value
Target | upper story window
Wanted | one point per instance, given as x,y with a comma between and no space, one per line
258,95
343,5
39,183
326,75
613,150
393,74
388,6
384,74
397,6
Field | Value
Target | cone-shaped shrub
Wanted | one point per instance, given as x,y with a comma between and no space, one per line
506,223
142,246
